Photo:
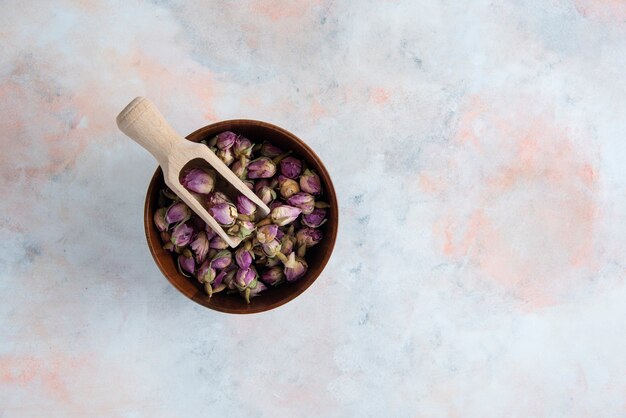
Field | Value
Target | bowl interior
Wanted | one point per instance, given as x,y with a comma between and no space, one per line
317,256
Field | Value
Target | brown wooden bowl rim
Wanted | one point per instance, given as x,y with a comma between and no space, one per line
331,238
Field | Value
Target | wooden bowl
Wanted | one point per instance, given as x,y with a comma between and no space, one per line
317,256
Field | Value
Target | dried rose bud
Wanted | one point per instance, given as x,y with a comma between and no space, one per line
217,243
280,233
186,264
287,187
222,260
242,147
181,235
266,233
254,291
310,182
242,228
260,183
260,168
226,155
283,215
222,275
304,201
271,248
178,212
248,183
295,268
266,194
245,205
216,198
224,213
210,233
315,218
308,237
199,180
271,151
159,219
200,246
243,257
225,140
287,244
168,246
206,273
245,278
165,236
291,167
273,276
240,167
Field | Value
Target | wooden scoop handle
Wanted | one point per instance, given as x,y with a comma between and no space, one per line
142,122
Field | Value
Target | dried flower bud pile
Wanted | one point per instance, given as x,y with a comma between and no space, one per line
273,249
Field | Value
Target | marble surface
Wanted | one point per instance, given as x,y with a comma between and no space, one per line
478,153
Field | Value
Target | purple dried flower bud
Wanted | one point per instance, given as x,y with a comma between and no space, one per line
291,167
200,246
304,201
206,273
266,233
178,212
243,257
240,167
224,213
315,218
254,291
159,219
222,260
266,194
288,187
221,275
308,237
271,151
280,233
260,183
283,215
273,276
245,205
218,243
186,265
310,182
226,155
216,198
225,140
262,167
199,180
242,147
210,233
295,268
271,248
181,235
245,277
248,183
287,244
242,228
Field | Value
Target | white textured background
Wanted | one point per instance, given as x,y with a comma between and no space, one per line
479,153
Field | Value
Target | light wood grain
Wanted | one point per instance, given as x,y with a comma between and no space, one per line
142,122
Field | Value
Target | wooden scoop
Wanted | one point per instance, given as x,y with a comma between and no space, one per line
143,123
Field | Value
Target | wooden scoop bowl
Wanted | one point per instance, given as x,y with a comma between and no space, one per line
143,123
